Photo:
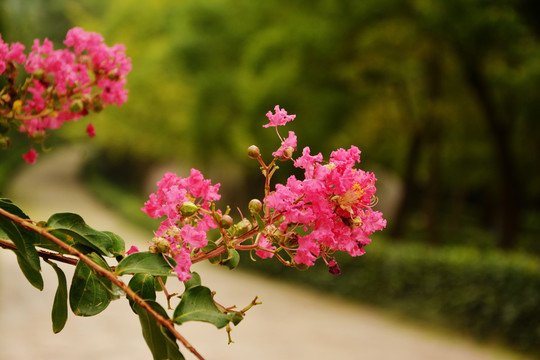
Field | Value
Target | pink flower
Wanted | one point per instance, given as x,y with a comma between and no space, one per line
279,118
287,147
331,206
183,264
90,130
265,244
91,72
132,249
31,156
184,233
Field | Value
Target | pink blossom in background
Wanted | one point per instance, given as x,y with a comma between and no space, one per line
31,156
90,130
87,76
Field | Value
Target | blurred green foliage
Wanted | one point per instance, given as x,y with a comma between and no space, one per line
442,95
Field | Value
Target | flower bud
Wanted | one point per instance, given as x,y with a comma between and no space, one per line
226,222
97,104
188,209
17,106
76,106
255,206
5,98
243,226
254,152
38,74
287,154
333,266
162,245
5,143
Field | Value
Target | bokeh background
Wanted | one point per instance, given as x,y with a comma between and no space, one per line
442,97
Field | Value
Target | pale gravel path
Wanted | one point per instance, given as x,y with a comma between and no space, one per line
292,323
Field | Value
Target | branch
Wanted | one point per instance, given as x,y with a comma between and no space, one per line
167,323
47,255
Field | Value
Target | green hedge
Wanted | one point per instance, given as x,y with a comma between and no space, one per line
488,294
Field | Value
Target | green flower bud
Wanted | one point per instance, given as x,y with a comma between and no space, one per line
254,152
76,106
255,206
5,143
38,74
243,226
188,209
287,154
161,245
97,105
226,222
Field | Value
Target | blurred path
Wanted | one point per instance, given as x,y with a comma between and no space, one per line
292,323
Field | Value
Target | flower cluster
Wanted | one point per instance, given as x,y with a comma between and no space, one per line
185,204
61,85
329,210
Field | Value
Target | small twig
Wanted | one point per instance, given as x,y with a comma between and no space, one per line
167,323
47,255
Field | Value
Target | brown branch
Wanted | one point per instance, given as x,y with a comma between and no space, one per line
47,255
167,323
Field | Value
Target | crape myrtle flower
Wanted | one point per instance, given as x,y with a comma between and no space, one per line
328,209
184,231
62,85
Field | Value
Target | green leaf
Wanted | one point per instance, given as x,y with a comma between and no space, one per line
60,307
232,260
90,293
22,238
144,286
259,220
73,225
31,274
45,243
197,304
159,341
119,246
145,262
194,281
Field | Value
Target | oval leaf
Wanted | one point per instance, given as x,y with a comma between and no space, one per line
161,344
119,246
74,226
144,286
145,262
89,294
232,260
197,304
32,275
23,239
60,309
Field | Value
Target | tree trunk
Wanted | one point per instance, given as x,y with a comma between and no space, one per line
398,227
508,187
432,119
